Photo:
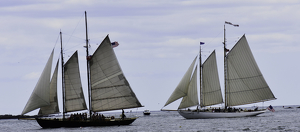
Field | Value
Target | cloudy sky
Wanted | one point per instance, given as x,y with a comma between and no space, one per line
158,41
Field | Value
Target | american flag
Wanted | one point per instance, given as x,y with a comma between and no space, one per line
114,44
270,108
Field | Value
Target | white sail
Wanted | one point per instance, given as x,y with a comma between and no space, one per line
182,88
245,83
40,94
191,99
53,107
110,89
211,89
74,97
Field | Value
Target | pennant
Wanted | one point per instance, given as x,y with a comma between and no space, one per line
236,25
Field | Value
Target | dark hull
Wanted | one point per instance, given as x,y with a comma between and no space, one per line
56,123
146,113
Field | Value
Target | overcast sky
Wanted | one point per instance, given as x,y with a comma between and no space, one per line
158,41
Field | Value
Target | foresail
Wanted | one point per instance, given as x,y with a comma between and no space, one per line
110,89
53,107
191,99
74,97
40,94
211,89
182,88
245,82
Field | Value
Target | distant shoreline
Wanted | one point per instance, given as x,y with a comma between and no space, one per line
16,116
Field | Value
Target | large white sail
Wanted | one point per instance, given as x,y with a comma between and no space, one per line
211,89
110,89
245,83
40,94
191,99
53,107
74,97
182,88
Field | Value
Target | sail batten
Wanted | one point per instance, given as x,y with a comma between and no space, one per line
245,82
40,95
74,97
110,89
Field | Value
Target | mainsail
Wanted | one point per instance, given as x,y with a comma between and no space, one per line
40,94
110,89
74,98
191,99
182,88
211,89
245,83
53,107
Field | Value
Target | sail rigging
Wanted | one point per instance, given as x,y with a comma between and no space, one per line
53,107
191,98
182,88
40,95
211,89
110,89
74,97
245,82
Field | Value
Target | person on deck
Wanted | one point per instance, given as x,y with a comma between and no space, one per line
123,115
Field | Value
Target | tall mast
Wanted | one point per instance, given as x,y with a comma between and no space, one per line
225,63
63,76
88,65
225,69
200,71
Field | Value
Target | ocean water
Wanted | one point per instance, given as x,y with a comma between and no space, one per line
171,121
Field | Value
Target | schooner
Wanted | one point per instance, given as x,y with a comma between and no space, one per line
244,84
108,89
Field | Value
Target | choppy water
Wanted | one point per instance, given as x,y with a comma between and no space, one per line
280,120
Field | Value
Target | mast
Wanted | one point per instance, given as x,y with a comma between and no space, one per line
225,62
200,71
88,65
62,74
225,69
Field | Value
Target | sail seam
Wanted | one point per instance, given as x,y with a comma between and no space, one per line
112,98
72,99
107,78
110,86
211,91
248,90
245,78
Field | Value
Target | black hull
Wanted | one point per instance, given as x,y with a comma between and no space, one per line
56,123
146,113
